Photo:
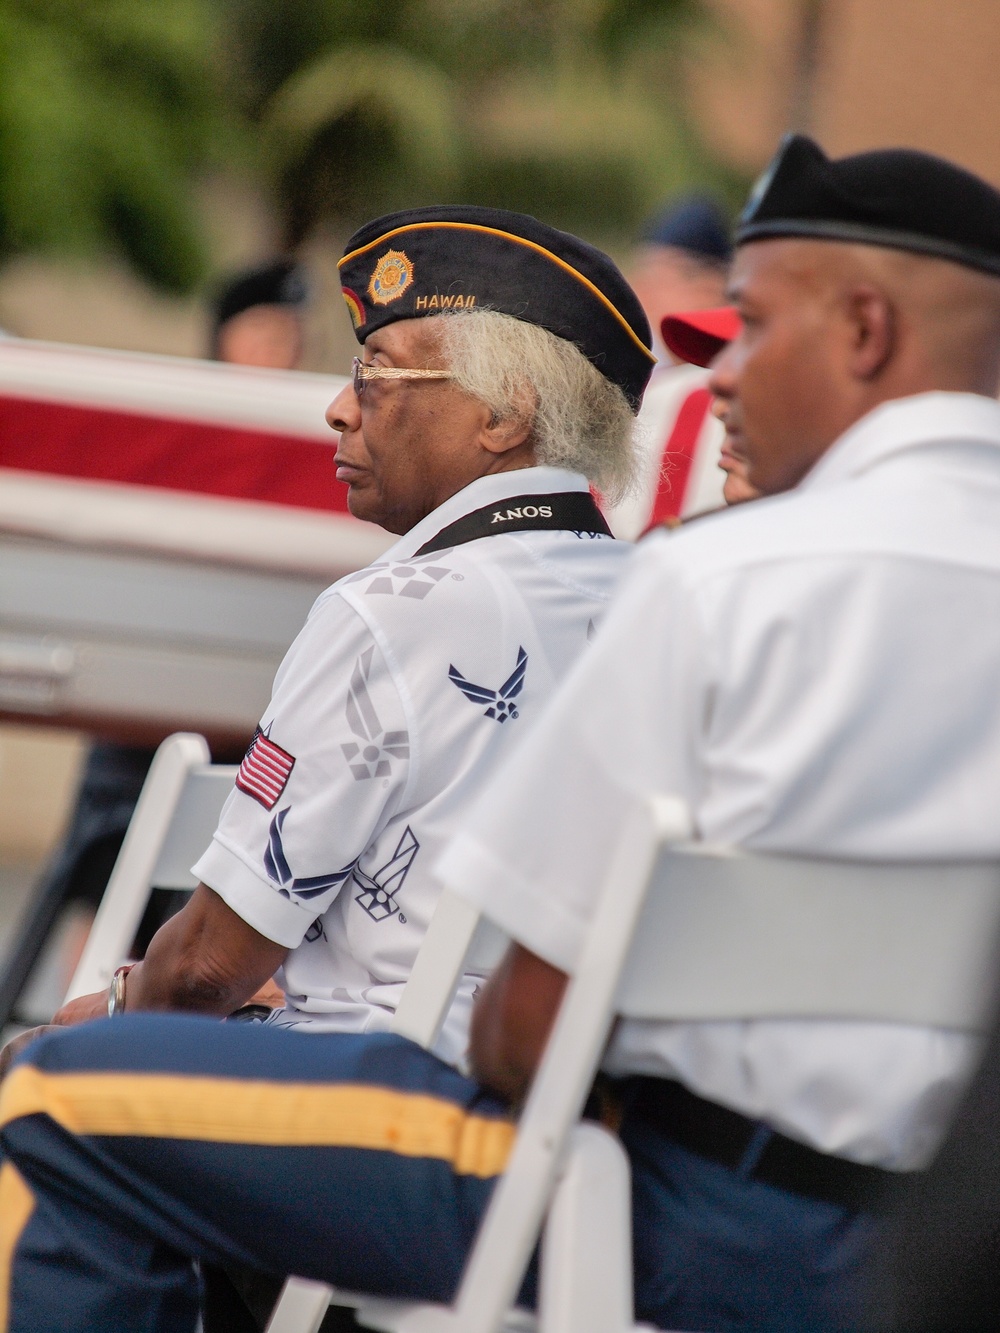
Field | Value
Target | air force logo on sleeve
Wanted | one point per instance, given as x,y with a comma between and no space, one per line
499,702
378,890
276,865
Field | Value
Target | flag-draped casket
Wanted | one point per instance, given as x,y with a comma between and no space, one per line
165,526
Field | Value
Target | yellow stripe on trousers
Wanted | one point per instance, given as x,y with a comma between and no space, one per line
284,1115
16,1205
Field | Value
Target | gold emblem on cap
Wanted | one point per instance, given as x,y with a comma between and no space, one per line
392,275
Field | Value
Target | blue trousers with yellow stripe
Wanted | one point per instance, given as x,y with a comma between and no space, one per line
131,1147
127,1148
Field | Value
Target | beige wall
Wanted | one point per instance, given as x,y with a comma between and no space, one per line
38,773
920,73
915,73
741,78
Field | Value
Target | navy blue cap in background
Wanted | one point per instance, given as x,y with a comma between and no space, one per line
694,223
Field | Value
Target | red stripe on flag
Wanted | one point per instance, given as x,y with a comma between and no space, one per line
678,455
265,771
208,458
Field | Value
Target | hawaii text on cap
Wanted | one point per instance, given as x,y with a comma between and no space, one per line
426,260
896,197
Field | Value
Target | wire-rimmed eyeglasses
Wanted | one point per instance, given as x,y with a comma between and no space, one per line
362,372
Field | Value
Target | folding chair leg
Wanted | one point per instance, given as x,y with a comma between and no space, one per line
301,1307
586,1272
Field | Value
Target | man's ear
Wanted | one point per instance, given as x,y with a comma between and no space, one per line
501,436
873,325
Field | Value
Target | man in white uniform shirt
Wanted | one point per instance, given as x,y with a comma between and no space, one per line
474,433
789,668
503,366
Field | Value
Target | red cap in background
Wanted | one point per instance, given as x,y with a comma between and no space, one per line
698,336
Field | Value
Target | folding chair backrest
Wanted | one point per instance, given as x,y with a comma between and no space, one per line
458,941
173,823
725,934
693,933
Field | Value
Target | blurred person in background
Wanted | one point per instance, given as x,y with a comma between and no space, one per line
695,338
680,266
682,260
257,319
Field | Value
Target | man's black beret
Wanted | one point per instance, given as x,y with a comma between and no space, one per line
425,260
281,282
896,197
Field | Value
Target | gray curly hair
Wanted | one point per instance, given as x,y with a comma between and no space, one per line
579,419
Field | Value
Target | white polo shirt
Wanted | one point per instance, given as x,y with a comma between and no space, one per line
816,673
411,680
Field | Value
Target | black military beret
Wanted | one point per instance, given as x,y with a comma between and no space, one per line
896,197
425,260
281,282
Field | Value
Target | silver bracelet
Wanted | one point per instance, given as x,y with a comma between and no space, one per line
116,991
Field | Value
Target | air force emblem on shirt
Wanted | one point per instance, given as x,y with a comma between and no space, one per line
499,702
276,865
378,891
372,758
409,578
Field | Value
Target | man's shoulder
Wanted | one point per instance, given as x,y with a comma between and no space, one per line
877,512
410,602
727,540
897,516
497,558
406,581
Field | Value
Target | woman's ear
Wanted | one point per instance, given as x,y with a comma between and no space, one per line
874,331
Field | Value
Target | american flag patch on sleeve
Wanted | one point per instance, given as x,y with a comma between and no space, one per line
265,770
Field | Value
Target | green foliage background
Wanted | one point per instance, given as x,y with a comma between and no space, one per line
111,109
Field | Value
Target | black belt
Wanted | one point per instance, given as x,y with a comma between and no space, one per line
726,1137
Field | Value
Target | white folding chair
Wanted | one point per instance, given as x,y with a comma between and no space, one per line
175,817
458,941
687,932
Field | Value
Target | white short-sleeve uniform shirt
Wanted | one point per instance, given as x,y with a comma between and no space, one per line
816,673
410,681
